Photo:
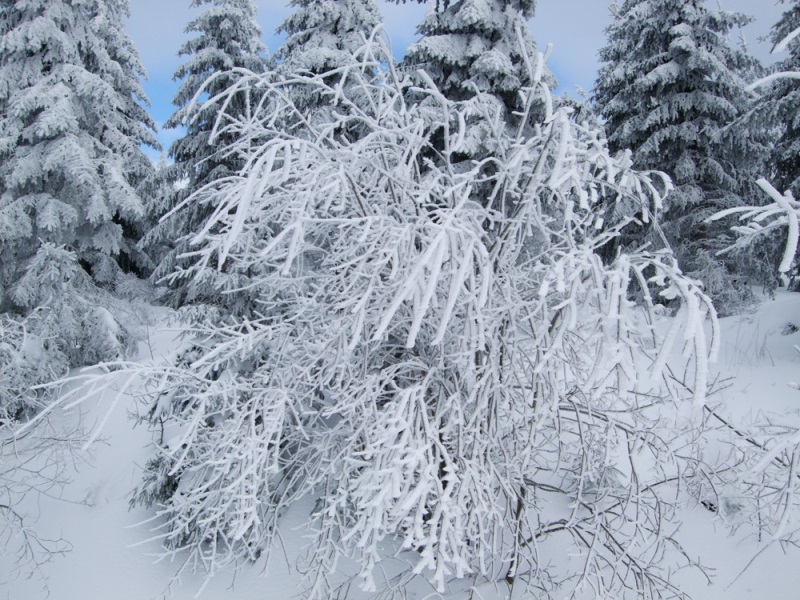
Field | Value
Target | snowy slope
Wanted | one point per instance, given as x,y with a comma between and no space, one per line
113,550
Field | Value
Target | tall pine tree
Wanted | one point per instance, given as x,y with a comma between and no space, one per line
226,37
478,46
479,52
783,103
70,135
72,125
327,38
671,90
471,46
324,35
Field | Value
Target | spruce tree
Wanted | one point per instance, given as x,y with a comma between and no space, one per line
472,46
479,52
226,37
783,103
477,46
328,38
71,134
72,125
325,35
671,89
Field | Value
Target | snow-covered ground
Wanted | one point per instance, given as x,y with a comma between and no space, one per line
113,553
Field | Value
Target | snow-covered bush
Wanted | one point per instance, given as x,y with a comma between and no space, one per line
67,309
66,324
23,366
462,381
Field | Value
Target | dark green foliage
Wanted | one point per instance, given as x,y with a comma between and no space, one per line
225,38
782,102
672,90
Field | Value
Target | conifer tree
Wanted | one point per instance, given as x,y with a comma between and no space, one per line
71,133
783,103
326,38
325,35
671,90
226,37
471,46
72,123
478,51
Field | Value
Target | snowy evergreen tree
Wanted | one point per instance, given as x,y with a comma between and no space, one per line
671,90
325,37
71,134
472,46
475,51
226,37
782,102
461,383
72,124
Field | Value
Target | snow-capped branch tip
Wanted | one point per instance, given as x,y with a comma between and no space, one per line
772,77
785,202
782,45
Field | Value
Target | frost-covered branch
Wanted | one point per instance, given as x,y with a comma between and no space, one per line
762,220
436,352
33,465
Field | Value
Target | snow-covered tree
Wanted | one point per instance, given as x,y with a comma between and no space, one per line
324,37
464,382
782,101
475,51
71,133
476,46
671,89
225,37
72,124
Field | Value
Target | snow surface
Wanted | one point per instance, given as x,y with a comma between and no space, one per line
113,551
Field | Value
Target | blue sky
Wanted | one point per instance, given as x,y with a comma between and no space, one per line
573,27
